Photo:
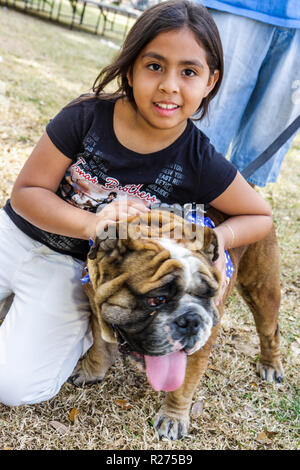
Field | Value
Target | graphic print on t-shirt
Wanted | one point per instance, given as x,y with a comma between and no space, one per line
169,177
82,190
88,185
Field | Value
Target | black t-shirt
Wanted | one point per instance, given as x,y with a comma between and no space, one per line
102,169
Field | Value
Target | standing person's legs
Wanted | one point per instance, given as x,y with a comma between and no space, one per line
271,108
46,328
245,43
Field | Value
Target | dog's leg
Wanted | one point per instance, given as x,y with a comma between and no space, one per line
172,420
259,285
93,367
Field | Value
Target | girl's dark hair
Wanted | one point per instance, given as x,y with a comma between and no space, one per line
163,17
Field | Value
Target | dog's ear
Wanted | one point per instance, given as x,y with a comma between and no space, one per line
210,248
105,280
104,283
106,241
109,245
210,244
205,240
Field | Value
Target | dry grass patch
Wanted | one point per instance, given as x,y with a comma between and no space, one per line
44,66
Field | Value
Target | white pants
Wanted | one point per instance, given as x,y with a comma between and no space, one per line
46,328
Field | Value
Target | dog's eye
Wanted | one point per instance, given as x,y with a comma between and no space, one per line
155,301
203,290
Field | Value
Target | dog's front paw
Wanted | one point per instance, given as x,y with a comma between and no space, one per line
171,426
270,373
81,376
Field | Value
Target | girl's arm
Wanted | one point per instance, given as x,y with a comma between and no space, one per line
33,197
251,221
251,215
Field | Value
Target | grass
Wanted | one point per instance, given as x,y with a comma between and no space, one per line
43,67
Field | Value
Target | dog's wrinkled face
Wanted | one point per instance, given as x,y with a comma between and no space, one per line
161,302
177,315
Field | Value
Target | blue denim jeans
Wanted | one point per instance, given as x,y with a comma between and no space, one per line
260,93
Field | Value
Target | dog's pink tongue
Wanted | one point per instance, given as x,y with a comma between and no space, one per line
166,372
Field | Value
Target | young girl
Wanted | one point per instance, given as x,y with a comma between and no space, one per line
139,143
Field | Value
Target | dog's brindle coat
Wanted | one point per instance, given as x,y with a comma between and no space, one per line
126,275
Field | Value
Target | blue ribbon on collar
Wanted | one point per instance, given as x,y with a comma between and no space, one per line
85,279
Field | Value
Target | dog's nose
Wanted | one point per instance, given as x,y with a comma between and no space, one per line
188,323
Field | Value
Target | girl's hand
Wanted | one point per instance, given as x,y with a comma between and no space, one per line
116,211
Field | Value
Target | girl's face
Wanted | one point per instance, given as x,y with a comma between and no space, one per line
169,78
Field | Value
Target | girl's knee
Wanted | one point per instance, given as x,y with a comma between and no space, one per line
12,390
16,390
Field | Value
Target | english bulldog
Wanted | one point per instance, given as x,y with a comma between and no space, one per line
153,298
